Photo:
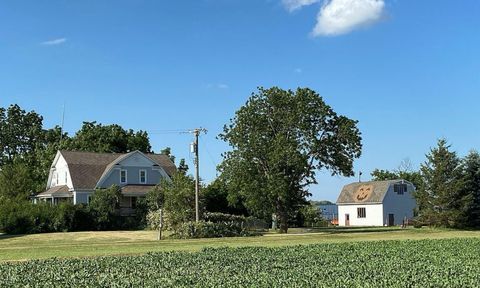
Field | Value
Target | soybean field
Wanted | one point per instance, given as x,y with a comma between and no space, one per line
395,263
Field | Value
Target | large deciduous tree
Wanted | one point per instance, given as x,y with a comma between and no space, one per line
279,139
20,133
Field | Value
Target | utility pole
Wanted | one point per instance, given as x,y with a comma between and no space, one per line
196,132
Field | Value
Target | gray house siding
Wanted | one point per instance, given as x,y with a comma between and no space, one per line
133,176
400,205
81,197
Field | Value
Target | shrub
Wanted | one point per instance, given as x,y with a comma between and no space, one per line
206,229
103,207
222,217
249,223
23,217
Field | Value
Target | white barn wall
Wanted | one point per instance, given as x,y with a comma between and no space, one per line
374,215
400,206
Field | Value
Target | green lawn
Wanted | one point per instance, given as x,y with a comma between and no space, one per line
89,244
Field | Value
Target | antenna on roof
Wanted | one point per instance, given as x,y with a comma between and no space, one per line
63,120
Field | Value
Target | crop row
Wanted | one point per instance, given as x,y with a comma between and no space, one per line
423,263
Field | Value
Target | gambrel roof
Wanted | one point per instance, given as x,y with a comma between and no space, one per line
366,192
86,168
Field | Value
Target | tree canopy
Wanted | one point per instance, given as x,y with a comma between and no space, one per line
279,140
113,138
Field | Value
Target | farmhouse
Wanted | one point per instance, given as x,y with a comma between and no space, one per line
74,176
376,203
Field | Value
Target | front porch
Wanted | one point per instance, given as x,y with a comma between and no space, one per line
130,195
55,195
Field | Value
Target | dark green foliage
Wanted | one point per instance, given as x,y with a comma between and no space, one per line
223,217
471,188
155,198
279,139
419,263
22,138
216,199
310,216
23,217
113,138
20,134
179,203
182,166
205,229
104,206
440,198
16,181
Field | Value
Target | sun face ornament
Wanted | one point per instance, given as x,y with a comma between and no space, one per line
363,193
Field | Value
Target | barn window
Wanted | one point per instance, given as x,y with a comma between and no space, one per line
400,188
361,212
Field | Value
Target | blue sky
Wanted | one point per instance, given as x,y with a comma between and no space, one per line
409,71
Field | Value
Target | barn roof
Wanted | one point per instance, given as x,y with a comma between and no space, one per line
366,192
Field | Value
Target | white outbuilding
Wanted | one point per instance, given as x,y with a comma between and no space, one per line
376,203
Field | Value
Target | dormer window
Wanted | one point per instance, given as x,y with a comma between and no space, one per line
143,176
400,188
123,176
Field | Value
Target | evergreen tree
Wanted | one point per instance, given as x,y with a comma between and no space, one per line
440,197
471,177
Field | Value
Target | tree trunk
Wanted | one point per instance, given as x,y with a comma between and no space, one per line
283,224
282,216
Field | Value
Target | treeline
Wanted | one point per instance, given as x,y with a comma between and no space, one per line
448,187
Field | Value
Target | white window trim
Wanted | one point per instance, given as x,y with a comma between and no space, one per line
140,176
126,176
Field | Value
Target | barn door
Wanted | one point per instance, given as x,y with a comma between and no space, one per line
391,220
347,219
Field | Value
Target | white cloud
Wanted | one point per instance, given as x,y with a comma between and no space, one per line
217,86
52,42
292,5
298,70
342,16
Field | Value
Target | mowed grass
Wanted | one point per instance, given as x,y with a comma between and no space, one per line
91,244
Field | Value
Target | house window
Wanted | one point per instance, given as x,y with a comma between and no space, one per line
123,176
400,188
361,212
143,176
66,176
89,198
